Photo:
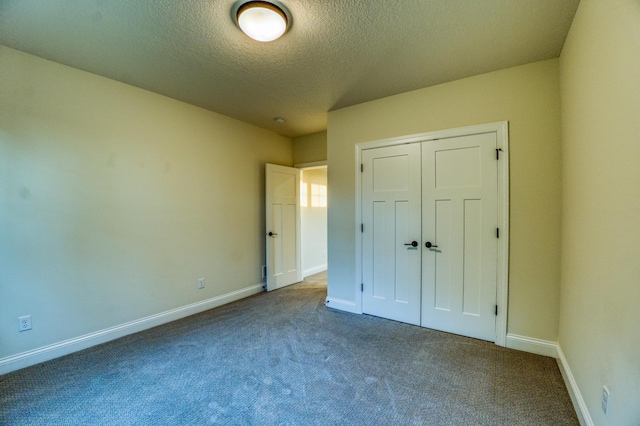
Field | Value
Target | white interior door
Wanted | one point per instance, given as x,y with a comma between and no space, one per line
391,223
284,265
460,201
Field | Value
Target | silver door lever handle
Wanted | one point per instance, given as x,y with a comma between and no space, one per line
272,234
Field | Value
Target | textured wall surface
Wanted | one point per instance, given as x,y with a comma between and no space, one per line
310,149
115,200
599,315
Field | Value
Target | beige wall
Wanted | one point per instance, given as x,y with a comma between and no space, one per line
310,148
314,224
114,201
599,315
526,96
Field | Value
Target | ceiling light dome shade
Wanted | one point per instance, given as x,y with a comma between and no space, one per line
262,20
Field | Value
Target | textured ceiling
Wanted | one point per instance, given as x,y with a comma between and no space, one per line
337,52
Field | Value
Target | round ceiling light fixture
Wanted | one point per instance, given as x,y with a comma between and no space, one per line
262,20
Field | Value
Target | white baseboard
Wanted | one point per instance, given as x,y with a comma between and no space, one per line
341,304
574,392
314,270
55,350
552,349
532,345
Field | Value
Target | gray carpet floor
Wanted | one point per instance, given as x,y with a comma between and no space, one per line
283,358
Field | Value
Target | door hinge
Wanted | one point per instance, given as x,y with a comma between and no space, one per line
496,309
362,227
497,232
498,153
361,167
361,287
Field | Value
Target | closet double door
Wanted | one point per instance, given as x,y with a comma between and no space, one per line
429,243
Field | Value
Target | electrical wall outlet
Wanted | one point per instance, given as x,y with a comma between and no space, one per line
605,400
200,282
24,323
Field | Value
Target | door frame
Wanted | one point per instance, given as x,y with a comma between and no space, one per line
501,129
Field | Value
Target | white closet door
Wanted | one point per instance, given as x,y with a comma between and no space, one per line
459,220
391,232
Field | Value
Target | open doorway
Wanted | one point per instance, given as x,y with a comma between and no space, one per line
313,212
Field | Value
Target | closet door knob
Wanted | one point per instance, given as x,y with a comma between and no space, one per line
429,245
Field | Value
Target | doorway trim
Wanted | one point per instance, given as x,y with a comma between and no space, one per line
501,129
311,165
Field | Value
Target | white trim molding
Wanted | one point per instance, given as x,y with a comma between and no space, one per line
504,204
314,270
55,350
574,392
341,304
311,165
532,345
553,349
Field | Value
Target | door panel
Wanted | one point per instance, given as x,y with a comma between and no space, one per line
391,219
459,195
457,168
391,173
284,264
442,259
277,218
379,240
403,262
289,238
471,282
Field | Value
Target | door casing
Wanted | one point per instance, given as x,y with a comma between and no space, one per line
501,130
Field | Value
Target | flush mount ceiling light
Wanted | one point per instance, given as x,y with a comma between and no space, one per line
262,20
